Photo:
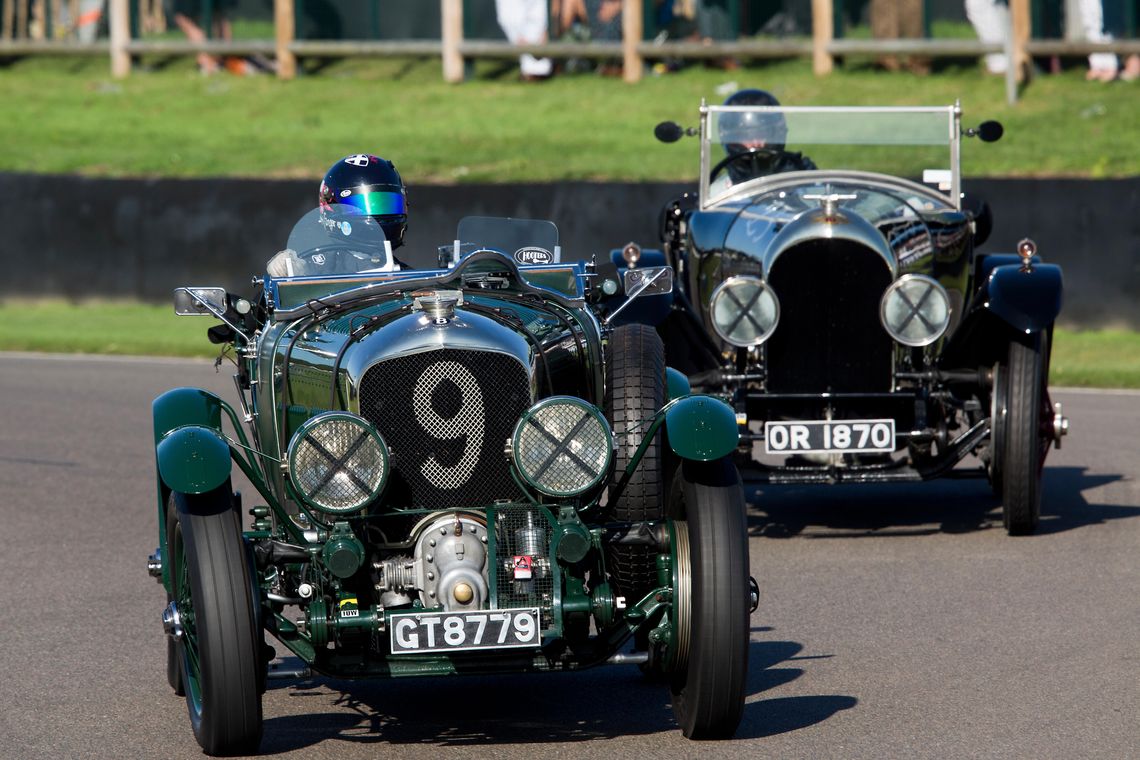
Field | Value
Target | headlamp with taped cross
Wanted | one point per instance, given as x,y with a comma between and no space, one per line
338,463
744,311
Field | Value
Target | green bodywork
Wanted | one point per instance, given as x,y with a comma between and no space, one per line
583,621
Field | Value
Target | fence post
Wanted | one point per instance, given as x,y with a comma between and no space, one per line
822,32
119,22
1020,21
451,23
632,64
285,26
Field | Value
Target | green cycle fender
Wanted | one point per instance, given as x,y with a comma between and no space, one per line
676,383
185,406
193,459
701,428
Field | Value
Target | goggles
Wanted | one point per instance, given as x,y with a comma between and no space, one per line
377,203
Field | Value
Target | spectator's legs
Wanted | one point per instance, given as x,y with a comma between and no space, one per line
524,22
206,63
1102,66
990,20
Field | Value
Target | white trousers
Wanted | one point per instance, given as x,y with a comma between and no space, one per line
990,20
525,23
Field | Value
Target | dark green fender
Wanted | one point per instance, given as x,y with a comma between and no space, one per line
701,428
191,455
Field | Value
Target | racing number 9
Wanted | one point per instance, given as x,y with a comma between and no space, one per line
466,423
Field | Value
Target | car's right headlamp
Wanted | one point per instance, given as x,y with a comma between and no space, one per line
744,311
562,446
915,310
338,463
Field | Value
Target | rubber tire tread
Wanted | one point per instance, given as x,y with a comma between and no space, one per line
635,391
173,657
1021,459
708,697
230,721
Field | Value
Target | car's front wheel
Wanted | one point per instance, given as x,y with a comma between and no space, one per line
219,641
713,601
1022,444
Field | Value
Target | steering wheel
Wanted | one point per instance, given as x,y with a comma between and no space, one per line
757,161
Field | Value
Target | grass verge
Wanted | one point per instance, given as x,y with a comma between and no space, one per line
1094,358
69,116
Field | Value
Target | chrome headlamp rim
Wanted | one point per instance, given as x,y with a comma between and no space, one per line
370,434
592,413
731,282
933,287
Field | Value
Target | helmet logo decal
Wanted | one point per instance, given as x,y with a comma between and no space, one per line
359,159
532,254
345,193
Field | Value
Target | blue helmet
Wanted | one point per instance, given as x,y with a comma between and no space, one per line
372,185
739,131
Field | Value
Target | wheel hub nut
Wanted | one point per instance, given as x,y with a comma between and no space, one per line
172,621
1060,425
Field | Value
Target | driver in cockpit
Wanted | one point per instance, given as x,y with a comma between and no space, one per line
361,184
754,141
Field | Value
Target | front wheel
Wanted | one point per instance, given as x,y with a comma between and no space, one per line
1023,446
219,643
713,600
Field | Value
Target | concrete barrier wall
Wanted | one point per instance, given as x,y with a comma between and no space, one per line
77,237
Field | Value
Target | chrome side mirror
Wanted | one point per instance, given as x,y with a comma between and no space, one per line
196,302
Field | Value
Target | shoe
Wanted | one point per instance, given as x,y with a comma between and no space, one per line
1131,70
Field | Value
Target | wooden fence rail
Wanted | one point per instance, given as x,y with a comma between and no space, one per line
22,25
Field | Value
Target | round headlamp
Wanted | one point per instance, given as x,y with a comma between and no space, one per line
915,310
337,462
562,446
744,311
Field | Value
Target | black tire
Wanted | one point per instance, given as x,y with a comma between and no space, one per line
635,391
708,688
1023,445
221,644
173,656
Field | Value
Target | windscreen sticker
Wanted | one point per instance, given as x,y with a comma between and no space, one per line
534,255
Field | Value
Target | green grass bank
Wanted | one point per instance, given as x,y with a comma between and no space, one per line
166,120
1101,358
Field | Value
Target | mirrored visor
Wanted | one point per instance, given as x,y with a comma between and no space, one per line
378,203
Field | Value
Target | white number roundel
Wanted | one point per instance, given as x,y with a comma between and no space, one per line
467,422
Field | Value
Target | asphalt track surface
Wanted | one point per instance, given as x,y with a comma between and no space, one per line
895,622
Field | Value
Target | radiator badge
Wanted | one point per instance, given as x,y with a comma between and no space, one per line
534,255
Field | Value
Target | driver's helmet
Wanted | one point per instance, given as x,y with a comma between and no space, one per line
372,185
742,132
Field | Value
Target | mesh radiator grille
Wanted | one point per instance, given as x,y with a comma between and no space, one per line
446,416
524,531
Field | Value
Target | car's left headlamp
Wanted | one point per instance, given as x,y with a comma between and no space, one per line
562,446
744,311
337,462
915,310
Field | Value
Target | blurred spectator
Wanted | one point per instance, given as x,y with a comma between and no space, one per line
1103,67
586,20
188,16
524,22
892,19
990,20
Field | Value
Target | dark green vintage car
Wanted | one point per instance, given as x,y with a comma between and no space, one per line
462,470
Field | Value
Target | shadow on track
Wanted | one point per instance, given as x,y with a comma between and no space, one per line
909,509
604,703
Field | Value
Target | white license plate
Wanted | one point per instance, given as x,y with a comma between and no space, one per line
829,436
419,632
